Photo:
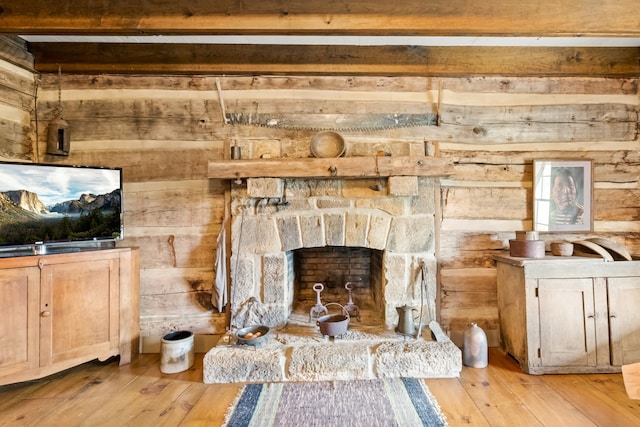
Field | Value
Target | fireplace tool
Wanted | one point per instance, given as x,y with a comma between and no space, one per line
318,309
353,309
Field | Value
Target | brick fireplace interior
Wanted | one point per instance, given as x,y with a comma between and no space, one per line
334,267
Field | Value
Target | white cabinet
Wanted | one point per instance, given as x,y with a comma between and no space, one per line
58,311
569,314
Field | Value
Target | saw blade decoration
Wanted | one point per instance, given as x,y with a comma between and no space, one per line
335,122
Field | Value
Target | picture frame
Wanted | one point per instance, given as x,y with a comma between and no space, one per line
562,195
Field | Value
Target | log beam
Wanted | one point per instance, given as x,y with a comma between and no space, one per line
356,17
96,58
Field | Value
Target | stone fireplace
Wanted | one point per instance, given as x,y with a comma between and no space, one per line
274,218
289,234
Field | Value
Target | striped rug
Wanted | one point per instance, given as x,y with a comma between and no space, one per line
368,403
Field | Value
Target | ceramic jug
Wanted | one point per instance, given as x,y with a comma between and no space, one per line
475,352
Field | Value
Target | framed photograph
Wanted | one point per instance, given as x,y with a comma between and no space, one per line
562,195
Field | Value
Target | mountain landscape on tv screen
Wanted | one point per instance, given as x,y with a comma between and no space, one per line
24,219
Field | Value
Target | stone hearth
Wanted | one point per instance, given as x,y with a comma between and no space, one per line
298,353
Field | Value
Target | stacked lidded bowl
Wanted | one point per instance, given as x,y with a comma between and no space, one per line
526,245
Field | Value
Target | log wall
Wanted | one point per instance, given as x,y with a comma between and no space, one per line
18,85
163,130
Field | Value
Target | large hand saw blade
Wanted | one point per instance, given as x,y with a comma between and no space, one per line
335,122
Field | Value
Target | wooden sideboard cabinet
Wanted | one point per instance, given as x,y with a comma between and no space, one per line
60,310
569,314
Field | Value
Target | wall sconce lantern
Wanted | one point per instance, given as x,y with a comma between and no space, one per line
58,132
58,137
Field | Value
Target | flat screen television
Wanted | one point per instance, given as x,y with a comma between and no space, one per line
56,204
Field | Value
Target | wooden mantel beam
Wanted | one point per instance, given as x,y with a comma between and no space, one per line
540,18
340,167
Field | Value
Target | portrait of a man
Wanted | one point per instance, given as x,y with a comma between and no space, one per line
562,195
566,207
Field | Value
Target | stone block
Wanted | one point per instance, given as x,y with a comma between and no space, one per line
312,229
396,277
358,188
411,234
289,230
334,229
356,229
390,205
403,185
255,234
254,312
243,281
425,201
275,269
378,232
265,187
305,188
417,359
226,365
334,361
333,203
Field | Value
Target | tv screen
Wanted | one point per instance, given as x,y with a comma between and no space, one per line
42,203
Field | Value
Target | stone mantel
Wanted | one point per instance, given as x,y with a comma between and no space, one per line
339,167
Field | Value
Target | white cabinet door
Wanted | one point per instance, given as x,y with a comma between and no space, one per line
567,322
624,319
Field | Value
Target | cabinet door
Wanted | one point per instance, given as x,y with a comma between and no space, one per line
19,315
567,322
82,299
624,319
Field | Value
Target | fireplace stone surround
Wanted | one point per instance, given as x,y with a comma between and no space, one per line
274,217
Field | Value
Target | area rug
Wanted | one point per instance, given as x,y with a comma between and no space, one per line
367,403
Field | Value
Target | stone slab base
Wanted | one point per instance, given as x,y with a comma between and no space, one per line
302,354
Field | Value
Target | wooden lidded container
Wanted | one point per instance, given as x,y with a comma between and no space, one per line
526,245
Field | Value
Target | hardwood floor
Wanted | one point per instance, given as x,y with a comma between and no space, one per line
103,394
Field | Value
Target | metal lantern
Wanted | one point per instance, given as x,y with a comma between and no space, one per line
58,137
58,132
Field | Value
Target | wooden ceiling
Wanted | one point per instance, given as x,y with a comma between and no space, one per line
618,19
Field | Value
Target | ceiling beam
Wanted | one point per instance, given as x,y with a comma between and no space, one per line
540,18
335,60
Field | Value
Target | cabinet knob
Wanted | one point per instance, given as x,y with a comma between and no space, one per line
591,316
45,313
612,315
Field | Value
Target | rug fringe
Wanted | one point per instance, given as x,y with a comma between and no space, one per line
434,402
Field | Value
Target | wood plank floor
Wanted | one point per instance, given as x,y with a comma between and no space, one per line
104,394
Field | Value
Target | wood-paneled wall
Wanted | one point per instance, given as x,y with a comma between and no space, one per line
18,86
163,130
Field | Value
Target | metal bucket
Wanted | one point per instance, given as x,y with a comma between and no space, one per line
176,352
